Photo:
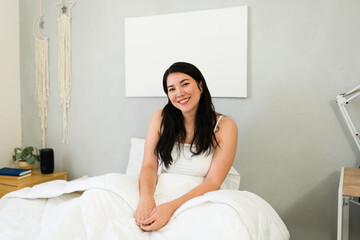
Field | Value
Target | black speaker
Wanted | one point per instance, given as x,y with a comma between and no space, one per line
47,160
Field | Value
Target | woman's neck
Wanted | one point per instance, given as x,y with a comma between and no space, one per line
189,124
189,118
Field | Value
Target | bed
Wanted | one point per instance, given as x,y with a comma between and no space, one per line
103,207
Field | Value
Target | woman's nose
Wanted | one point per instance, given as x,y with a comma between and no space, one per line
179,92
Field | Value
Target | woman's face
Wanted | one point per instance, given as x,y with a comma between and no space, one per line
184,92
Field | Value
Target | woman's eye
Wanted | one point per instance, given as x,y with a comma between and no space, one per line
171,89
185,84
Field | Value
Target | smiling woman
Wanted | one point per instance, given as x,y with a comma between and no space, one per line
189,116
188,125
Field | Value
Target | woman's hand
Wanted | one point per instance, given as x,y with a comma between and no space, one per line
159,217
144,209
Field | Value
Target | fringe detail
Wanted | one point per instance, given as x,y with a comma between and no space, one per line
64,69
42,82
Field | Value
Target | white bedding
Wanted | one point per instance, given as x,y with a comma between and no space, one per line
103,208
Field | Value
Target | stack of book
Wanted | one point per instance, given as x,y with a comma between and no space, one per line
14,173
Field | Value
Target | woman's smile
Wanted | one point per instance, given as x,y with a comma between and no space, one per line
184,101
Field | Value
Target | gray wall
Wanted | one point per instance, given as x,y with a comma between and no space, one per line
292,139
10,112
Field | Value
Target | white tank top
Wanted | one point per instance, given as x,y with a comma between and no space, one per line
185,163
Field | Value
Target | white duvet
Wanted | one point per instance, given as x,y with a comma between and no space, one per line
103,208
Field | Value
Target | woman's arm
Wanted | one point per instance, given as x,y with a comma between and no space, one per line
220,166
149,168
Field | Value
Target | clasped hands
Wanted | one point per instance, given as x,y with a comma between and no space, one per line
150,217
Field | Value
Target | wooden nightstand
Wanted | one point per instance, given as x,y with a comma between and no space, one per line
349,187
36,177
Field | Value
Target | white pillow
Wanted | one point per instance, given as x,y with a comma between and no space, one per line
232,180
135,156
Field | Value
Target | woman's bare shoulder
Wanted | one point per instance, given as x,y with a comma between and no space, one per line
226,122
157,115
226,127
156,119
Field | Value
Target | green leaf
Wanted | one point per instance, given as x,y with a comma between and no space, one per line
18,156
16,150
25,151
31,160
28,150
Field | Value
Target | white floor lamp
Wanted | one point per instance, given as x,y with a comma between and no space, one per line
342,100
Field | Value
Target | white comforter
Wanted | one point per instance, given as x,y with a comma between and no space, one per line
103,208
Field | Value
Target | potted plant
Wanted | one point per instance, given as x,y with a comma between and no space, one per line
26,157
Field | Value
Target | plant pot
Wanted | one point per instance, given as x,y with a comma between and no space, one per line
25,165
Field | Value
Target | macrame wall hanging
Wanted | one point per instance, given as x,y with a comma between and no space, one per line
41,72
64,59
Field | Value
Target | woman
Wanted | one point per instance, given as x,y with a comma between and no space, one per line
187,123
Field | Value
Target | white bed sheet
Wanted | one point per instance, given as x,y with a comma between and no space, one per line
103,208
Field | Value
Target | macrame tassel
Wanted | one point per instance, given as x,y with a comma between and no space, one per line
64,69
42,82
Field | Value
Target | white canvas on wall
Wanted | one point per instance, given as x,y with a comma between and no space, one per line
213,40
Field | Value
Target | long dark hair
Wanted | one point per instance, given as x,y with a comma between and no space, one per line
172,124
